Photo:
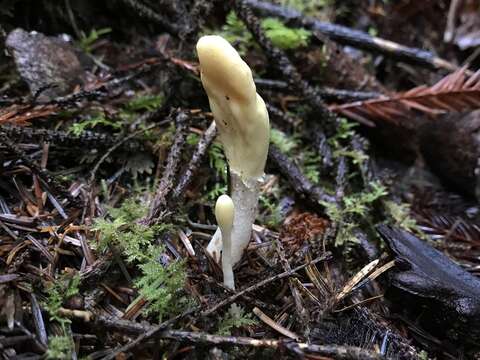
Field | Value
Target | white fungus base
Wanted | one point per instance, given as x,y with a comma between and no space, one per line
245,198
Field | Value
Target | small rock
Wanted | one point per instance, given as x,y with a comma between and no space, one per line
44,61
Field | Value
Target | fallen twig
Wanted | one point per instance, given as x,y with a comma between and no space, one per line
159,203
194,163
360,39
297,179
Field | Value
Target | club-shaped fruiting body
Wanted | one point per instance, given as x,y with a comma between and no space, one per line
242,120
224,212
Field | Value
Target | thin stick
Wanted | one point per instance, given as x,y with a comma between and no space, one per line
153,331
275,326
334,351
194,163
120,143
158,206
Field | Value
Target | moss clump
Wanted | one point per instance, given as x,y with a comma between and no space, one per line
286,38
161,282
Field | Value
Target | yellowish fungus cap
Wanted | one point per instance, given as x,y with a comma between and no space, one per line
224,212
240,113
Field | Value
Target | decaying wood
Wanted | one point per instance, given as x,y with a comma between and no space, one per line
430,275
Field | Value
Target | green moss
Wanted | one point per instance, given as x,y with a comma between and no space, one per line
284,37
400,216
281,140
234,319
270,210
59,291
354,207
310,164
281,36
88,41
62,289
97,120
145,103
59,348
160,284
235,32
124,117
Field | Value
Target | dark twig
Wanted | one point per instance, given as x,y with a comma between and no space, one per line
341,178
327,93
196,19
335,351
314,194
152,332
46,178
195,162
148,13
87,139
356,38
119,144
158,206
102,91
275,112
38,320
323,148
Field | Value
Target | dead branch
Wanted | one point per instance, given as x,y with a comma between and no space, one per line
152,332
166,183
313,194
327,93
148,13
338,352
87,139
356,38
46,178
194,163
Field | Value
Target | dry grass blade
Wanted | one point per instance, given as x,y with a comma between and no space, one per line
456,92
277,327
356,279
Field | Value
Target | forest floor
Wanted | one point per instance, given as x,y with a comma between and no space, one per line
367,240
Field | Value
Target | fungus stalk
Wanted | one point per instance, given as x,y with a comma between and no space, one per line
224,212
244,130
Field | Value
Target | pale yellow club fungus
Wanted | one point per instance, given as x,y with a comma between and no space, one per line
224,212
242,120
